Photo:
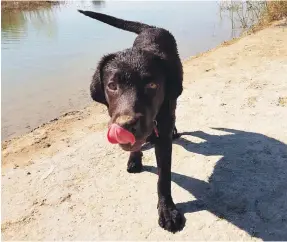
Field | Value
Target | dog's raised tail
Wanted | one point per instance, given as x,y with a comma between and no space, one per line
130,26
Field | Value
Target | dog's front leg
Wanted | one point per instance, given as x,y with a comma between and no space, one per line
169,217
135,162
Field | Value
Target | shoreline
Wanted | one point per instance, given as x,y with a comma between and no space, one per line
26,5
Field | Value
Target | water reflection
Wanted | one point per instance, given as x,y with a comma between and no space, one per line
98,3
15,24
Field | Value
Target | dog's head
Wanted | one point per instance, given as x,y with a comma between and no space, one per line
133,85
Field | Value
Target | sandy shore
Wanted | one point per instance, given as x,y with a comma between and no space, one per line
63,181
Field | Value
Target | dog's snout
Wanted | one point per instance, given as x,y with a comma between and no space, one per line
129,122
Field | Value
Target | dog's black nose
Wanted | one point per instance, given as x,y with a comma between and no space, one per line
129,122
132,126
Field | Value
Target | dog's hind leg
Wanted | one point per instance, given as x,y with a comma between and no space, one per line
135,162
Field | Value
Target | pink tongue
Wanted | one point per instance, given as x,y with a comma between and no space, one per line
119,135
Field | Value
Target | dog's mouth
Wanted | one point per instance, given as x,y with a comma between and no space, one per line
133,147
127,140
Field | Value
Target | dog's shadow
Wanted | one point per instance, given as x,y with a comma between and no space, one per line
248,186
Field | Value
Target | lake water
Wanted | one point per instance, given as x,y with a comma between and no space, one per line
49,55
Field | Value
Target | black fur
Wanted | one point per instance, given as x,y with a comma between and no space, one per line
143,83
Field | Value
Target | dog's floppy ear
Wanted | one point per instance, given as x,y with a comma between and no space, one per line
97,86
173,76
174,81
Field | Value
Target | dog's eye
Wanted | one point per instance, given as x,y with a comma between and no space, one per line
112,86
152,85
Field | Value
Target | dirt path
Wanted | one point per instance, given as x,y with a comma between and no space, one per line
64,181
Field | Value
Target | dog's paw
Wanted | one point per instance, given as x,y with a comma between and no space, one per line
135,163
134,167
170,219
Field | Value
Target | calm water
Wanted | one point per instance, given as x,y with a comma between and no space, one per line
48,56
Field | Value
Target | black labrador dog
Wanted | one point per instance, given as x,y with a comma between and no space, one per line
140,86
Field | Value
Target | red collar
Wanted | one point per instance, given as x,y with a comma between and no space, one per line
155,129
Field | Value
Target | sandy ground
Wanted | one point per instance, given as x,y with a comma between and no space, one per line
64,181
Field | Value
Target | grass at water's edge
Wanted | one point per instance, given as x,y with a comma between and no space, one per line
272,11
26,5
